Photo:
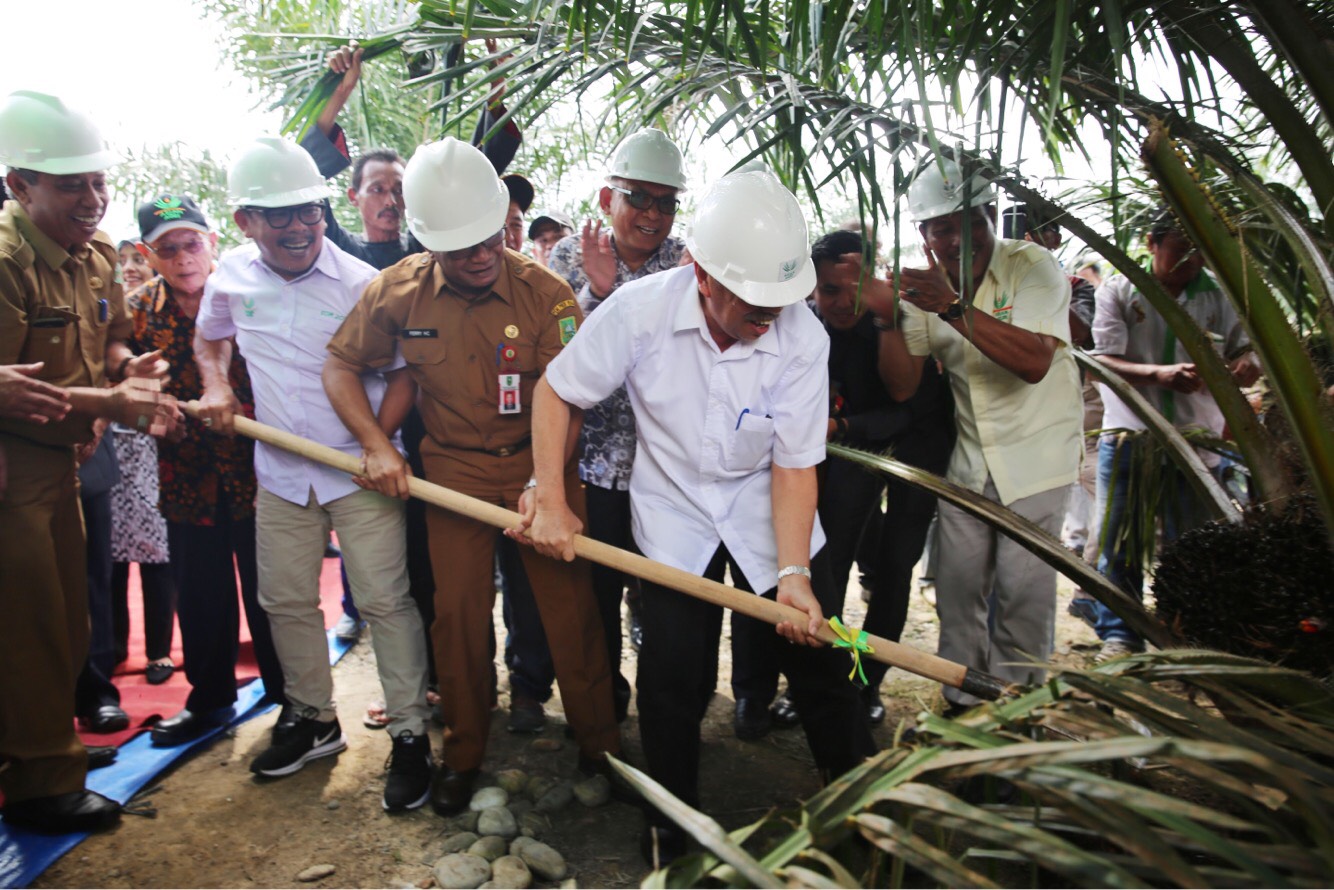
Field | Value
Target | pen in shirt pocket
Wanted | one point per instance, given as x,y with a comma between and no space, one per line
744,412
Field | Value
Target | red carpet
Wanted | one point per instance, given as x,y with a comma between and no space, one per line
143,702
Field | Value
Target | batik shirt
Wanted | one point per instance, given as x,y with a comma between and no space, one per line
607,441
203,467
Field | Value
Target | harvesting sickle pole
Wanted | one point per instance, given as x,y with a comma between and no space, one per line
924,664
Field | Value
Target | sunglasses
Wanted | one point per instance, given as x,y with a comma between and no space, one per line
667,204
489,244
169,251
281,217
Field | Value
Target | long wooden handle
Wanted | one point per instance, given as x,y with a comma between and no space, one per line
915,661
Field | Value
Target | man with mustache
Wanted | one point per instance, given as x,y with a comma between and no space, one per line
476,324
1000,328
63,322
730,392
281,298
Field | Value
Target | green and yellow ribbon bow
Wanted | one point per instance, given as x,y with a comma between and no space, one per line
854,643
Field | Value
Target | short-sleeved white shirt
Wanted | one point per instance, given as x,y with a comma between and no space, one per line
1027,437
281,328
711,422
1126,325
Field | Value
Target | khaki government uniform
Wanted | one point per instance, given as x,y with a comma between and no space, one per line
456,349
61,309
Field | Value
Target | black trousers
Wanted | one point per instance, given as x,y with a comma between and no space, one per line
94,688
206,560
159,608
609,522
677,670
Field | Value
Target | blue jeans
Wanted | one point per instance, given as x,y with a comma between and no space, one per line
1120,463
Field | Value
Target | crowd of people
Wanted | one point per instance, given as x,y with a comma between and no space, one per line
664,390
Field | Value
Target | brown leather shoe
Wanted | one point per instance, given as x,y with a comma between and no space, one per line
451,790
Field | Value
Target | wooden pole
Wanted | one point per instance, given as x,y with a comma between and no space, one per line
932,667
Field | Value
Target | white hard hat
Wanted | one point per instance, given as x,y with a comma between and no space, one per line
648,155
39,132
275,172
749,234
454,197
939,193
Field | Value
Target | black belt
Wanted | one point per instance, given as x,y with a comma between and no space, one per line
506,450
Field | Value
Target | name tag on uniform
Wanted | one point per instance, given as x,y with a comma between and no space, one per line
419,333
509,394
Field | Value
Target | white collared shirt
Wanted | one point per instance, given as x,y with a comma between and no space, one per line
710,422
1027,436
281,328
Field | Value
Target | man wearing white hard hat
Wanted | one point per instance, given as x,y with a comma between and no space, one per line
1005,347
730,388
476,324
63,323
645,174
281,298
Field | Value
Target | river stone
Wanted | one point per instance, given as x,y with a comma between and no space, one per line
593,792
497,821
547,744
458,843
512,780
542,860
519,806
489,848
540,785
511,871
316,872
466,821
461,871
533,824
486,798
569,884
555,799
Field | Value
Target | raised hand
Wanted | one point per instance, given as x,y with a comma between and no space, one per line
599,258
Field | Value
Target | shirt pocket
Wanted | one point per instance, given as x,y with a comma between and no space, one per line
751,445
53,338
422,351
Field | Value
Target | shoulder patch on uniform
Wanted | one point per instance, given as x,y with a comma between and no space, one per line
561,307
568,326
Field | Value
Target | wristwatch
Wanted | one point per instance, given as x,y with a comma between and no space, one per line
953,312
793,570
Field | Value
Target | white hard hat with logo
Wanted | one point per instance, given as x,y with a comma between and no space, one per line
750,235
648,155
936,192
275,172
453,197
39,132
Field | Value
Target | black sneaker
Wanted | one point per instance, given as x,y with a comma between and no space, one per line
296,743
409,766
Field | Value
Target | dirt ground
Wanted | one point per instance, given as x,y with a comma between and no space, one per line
217,826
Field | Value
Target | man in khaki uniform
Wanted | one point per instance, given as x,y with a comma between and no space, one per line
476,324
61,305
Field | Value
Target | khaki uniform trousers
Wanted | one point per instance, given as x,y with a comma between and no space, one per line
462,559
44,601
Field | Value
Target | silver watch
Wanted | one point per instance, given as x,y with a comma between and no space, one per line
793,570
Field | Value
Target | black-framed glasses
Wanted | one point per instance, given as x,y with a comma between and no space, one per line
489,244
193,247
668,205
281,217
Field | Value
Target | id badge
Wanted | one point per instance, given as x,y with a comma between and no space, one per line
509,394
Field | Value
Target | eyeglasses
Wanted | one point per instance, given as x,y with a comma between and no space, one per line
281,217
667,204
169,251
489,244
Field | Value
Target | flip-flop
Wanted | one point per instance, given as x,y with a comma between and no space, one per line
158,673
376,717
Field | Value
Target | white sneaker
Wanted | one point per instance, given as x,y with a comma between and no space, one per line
1116,649
348,629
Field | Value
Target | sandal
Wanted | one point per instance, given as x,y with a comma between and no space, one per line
376,716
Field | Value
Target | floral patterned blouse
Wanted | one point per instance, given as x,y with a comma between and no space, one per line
607,441
202,467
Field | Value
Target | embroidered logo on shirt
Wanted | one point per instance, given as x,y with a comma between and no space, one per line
168,208
1001,307
567,329
325,313
561,307
249,304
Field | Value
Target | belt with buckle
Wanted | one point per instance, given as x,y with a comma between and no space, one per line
509,450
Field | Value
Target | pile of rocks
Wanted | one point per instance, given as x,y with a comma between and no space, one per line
496,843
